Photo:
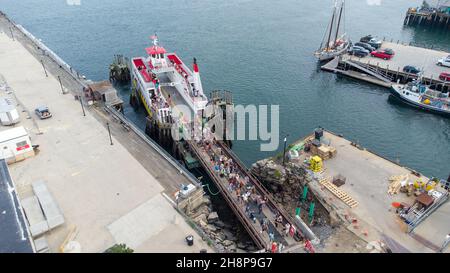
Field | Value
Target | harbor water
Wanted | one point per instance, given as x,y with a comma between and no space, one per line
261,51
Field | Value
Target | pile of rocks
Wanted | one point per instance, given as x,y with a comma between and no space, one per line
286,184
224,235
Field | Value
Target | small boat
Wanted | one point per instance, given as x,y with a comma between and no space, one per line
334,43
420,96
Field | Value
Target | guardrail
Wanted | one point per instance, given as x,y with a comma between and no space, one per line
155,146
52,55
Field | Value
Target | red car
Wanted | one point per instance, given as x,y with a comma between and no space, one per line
444,76
385,54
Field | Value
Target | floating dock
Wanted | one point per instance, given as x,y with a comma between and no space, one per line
386,72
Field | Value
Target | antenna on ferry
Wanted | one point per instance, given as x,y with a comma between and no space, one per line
154,39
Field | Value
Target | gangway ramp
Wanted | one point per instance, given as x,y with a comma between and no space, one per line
270,210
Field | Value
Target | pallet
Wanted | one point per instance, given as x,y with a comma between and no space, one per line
347,199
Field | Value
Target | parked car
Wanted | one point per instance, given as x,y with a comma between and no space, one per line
369,39
385,54
411,69
366,46
358,51
444,61
42,112
444,76
365,39
360,54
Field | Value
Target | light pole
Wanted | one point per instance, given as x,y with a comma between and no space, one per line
60,84
12,34
284,149
81,103
109,132
45,70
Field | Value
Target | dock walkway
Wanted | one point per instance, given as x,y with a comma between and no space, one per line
270,210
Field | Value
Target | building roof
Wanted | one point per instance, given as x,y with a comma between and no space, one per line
14,236
6,105
12,133
425,199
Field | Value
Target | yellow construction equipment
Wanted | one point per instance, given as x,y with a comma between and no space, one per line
316,163
430,185
419,184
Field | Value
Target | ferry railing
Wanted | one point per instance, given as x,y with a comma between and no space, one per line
260,242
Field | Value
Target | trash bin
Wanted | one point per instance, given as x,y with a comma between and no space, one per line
190,240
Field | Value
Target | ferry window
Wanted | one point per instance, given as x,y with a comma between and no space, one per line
153,56
407,93
21,144
161,55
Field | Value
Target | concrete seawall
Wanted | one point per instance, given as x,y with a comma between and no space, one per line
110,193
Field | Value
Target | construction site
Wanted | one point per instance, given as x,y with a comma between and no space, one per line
389,207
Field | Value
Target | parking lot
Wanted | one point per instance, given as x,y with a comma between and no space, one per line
422,58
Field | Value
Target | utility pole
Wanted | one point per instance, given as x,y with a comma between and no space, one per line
109,132
284,149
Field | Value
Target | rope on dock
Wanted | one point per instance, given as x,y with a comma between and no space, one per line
209,189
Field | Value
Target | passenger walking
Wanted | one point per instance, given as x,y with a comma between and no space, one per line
287,227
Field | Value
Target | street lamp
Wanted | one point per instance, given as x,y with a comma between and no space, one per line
109,132
284,149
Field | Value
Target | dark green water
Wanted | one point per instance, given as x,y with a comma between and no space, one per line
262,51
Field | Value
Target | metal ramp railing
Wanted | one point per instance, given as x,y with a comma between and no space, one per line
377,73
423,214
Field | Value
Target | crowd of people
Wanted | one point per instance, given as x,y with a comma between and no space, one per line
246,195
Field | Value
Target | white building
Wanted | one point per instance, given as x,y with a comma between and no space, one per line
8,112
15,145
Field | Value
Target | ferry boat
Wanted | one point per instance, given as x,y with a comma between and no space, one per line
163,82
420,96
334,43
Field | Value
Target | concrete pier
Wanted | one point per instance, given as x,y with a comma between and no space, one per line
373,218
109,193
